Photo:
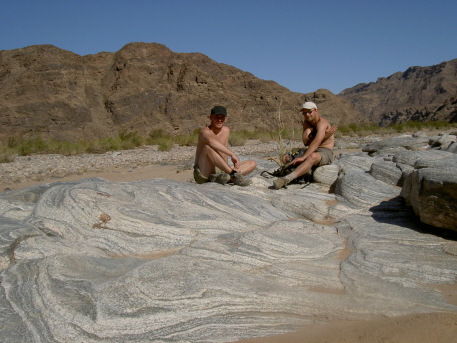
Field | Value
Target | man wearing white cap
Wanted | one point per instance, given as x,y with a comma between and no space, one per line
318,137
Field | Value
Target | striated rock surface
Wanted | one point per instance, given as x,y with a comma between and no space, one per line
168,261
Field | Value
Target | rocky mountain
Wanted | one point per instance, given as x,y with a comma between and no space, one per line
419,93
142,87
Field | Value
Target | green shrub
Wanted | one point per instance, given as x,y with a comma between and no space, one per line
13,141
25,148
343,130
165,144
237,140
188,139
6,155
353,127
131,139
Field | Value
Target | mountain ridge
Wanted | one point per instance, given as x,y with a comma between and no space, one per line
142,87
419,93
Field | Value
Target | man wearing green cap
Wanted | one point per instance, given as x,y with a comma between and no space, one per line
211,157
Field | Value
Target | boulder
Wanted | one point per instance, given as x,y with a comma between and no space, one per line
442,163
387,172
432,193
451,148
310,205
442,141
326,174
362,162
361,189
410,157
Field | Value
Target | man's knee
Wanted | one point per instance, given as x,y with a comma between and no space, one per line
248,166
207,149
315,157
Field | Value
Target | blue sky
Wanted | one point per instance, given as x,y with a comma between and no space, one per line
302,45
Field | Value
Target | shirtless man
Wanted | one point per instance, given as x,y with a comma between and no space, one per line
318,137
213,152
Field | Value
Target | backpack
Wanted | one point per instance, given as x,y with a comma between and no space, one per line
287,168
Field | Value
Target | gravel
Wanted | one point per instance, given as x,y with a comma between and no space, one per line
41,167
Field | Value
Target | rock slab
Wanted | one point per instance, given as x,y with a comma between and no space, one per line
167,261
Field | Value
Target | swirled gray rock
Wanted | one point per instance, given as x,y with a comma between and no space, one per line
442,141
404,264
411,157
166,261
360,188
362,162
326,174
407,141
13,232
448,162
310,205
452,148
387,172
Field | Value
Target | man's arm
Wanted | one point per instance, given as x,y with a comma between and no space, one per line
329,131
210,138
314,142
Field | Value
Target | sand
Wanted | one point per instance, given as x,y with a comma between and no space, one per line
123,174
414,328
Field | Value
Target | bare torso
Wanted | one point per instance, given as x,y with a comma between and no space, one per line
222,136
310,131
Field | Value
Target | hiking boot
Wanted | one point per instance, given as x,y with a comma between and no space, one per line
280,183
241,180
221,178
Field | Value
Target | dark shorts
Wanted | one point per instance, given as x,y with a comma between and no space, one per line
326,155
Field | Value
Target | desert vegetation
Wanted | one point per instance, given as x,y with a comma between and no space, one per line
24,146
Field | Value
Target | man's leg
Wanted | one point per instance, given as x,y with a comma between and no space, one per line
209,160
304,167
238,177
247,167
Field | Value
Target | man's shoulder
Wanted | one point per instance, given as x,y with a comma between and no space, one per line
323,119
225,132
323,122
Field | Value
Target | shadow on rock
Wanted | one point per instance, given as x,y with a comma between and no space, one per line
395,212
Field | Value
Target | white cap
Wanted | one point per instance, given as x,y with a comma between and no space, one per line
309,105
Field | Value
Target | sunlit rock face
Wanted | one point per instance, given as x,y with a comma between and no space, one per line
168,261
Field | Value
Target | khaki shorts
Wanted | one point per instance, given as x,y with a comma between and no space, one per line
326,155
199,177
